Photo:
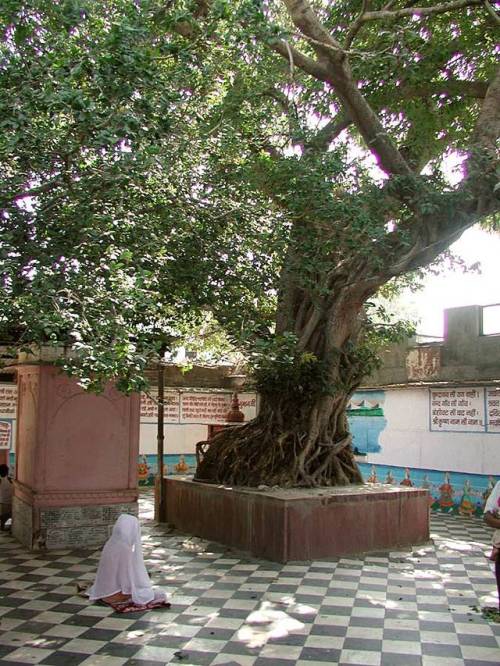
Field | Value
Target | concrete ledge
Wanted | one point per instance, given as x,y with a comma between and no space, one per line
289,525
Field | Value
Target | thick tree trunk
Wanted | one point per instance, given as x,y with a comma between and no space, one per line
300,437
288,444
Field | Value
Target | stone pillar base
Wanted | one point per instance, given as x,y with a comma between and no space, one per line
73,526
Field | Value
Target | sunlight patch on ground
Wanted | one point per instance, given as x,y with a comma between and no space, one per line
194,545
460,546
162,629
201,619
489,599
382,603
268,622
172,568
422,552
428,574
42,642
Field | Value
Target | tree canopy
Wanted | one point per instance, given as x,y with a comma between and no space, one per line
111,243
274,163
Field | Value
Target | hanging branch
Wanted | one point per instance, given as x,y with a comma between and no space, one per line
385,14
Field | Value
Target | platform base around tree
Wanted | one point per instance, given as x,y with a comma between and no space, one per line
286,525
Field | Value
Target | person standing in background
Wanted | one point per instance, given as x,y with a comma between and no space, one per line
492,518
5,496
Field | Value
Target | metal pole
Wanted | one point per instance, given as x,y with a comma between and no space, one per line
160,501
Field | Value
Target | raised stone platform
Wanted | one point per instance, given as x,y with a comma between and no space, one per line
300,524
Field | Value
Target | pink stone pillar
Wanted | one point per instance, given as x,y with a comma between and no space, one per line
76,460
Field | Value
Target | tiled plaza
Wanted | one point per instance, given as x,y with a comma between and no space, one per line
400,608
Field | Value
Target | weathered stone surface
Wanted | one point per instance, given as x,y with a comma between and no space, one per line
22,522
65,527
289,525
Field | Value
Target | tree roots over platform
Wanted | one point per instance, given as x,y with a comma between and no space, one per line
274,452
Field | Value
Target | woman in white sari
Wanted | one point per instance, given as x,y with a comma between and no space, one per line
121,575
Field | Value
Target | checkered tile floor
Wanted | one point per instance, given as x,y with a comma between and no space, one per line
398,608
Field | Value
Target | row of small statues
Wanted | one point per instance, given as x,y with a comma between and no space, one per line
466,505
389,478
445,501
143,469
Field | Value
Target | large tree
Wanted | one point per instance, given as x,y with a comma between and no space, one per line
318,89
279,163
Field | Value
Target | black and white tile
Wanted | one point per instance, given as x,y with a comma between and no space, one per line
411,608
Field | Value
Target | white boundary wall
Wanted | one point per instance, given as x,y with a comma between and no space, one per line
408,440
188,414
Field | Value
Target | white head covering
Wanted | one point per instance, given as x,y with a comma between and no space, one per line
493,501
121,567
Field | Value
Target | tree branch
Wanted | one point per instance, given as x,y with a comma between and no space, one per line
186,28
324,137
484,150
474,199
474,89
34,191
385,14
491,11
340,77
307,22
304,62
422,256
289,110
449,87
356,25
373,132
487,127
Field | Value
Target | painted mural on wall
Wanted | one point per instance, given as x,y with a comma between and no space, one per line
449,492
147,466
366,419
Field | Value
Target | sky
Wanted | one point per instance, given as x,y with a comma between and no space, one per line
454,288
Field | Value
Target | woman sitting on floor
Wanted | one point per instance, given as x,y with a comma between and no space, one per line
122,580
